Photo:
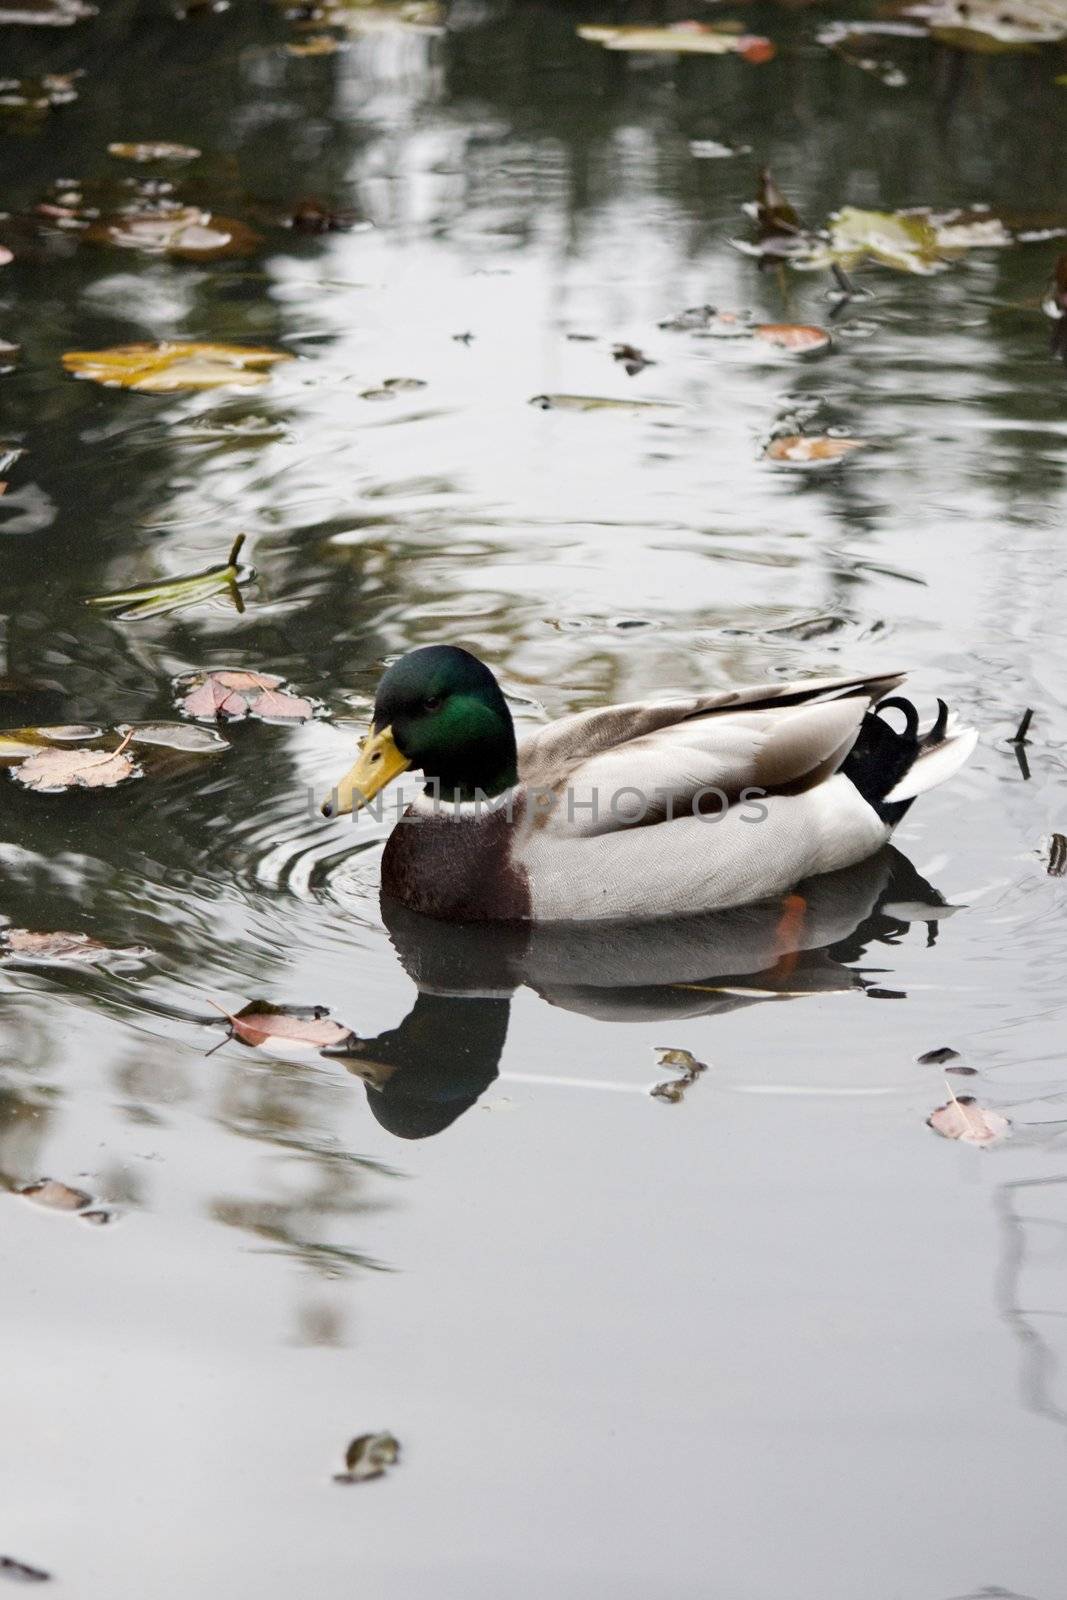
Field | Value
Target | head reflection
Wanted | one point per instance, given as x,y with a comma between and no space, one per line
422,1075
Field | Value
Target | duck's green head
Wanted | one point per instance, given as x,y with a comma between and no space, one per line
440,711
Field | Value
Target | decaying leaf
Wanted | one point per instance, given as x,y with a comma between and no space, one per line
1056,863
378,16
153,150
21,947
993,27
175,736
19,1571
311,216
694,319
682,1062
797,338
369,1456
681,38
44,13
174,594
55,1195
937,1058
632,360
169,367
592,402
810,450
965,1119
391,387
232,694
185,232
260,1024
53,771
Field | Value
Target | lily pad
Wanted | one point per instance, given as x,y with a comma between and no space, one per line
368,1457
966,1120
810,450
168,368
174,594
681,38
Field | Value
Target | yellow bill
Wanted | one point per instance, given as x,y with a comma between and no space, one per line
379,763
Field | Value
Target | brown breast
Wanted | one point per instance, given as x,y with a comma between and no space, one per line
451,865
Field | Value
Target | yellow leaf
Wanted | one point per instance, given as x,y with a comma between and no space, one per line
168,368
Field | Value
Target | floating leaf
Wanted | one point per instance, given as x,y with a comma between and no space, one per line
54,771
906,241
18,1571
379,16
20,742
591,402
33,97
633,360
319,44
234,694
174,594
1056,865
696,317
937,1058
5,259
681,38
311,216
683,1062
797,338
21,947
185,232
810,450
968,1121
44,13
157,150
55,1195
289,1027
176,736
169,367
369,1456
391,387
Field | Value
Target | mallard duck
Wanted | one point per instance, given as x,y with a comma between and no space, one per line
631,812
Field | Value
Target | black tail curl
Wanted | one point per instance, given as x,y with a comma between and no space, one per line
881,756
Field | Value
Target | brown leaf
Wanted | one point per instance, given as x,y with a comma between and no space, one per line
311,216
682,1061
55,1195
53,771
369,1457
810,450
965,1119
303,1027
234,694
800,339
185,232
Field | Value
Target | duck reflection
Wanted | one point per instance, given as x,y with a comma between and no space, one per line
422,1075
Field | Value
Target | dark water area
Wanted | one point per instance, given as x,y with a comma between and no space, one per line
774,1338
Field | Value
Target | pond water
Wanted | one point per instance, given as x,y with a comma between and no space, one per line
775,1338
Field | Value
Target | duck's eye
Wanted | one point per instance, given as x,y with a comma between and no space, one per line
433,703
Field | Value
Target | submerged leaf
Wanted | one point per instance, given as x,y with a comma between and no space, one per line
19,742
968,1121
234,694
173,594
169,367
810,450
21,947
158,150
369,1457
291,1027
55,1195
176,736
